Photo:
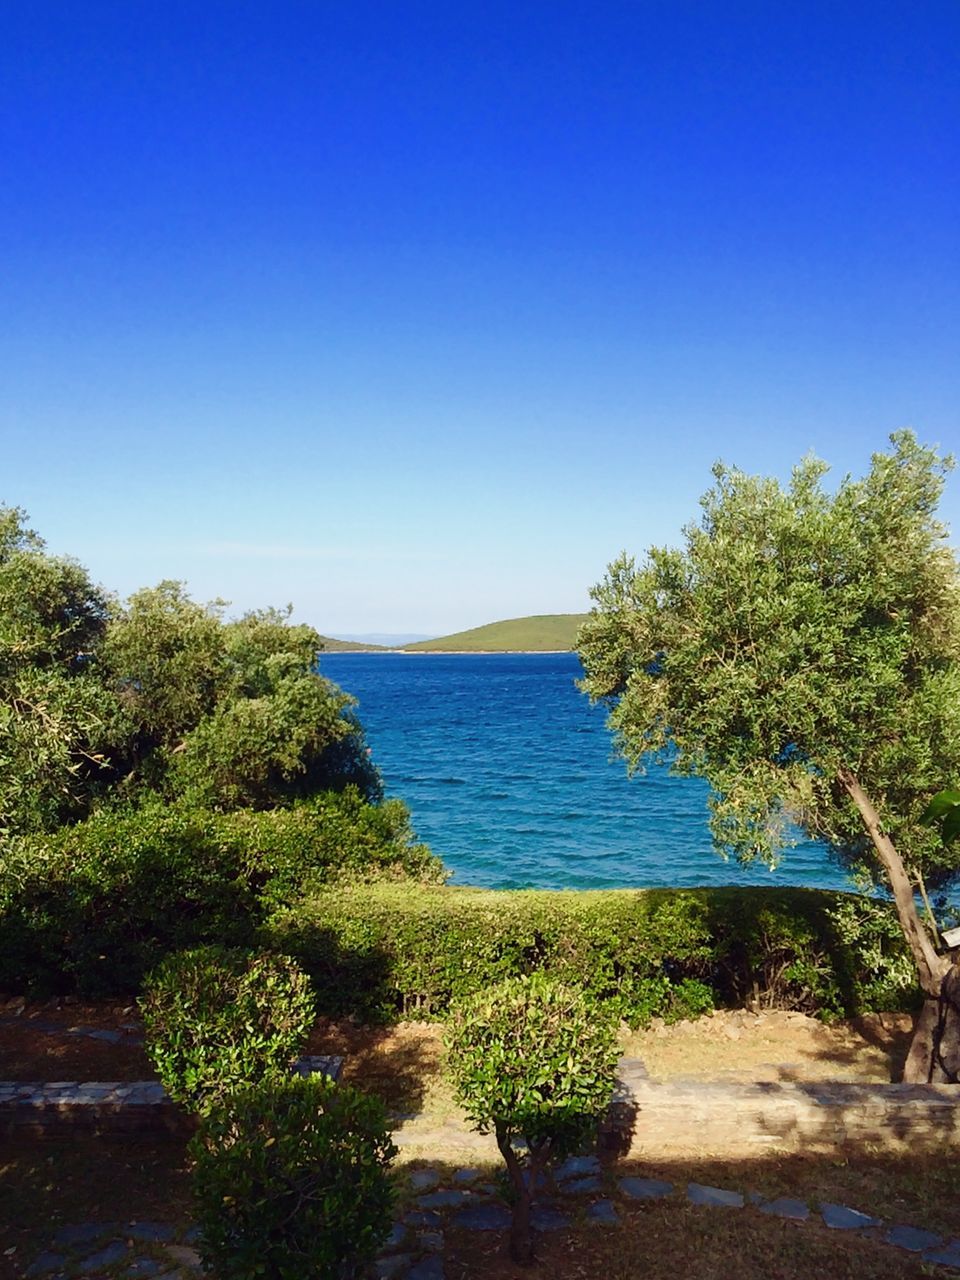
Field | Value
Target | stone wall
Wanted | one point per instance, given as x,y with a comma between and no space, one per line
753,1119
108,1107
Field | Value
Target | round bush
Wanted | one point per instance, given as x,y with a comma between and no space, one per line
219,1017
532,1057
291,1180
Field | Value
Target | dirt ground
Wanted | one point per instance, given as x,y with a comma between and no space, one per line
47,1183
404,1063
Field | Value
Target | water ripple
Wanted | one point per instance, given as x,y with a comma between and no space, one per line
508,774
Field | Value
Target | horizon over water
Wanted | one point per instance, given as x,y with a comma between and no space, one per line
508,775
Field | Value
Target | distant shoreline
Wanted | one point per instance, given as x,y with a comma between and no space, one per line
427,653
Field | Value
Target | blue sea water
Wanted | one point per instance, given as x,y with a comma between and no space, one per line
507,771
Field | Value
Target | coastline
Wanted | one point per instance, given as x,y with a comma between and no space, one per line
415,653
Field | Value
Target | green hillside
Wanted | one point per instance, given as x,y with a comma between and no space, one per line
541,633
349,646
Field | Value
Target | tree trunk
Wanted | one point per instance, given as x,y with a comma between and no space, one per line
521,1237
936,1035
934,1056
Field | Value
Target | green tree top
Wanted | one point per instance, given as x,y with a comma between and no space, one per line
801,651
102,702
796,634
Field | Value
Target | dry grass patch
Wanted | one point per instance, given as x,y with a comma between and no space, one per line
666,1241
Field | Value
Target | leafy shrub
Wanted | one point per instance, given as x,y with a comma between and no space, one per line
389,950
291,1180
531,1059
91,909
217,1018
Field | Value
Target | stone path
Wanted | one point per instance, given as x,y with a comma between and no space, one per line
466,1200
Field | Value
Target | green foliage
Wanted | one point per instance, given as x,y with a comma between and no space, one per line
54,717
164,655
291,1180
228,715
943,812
218,1018
798,633
388,950
532,1058
91,908
103,704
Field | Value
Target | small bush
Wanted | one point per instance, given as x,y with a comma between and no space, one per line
532,1059
217,1018
291,1181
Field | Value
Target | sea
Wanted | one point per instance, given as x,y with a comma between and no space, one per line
510,777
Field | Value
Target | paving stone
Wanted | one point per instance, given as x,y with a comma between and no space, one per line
424,1179
143,1267
116,1251
577,1167
183,1254
430,1268
482,1217
784,1207
465,1177
755,1198
318,1064
582,1186
423,1218
446,1199
603,1211
545,1217
913,1239
948,1256
83,1233
387,1268
155,1232
840,1218
645,1188
697,1193
398,1233
431,1241
45,1263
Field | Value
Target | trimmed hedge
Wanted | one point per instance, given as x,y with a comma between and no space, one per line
94,907
385,951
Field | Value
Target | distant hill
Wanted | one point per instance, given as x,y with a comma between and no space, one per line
349,646
386,639
538,634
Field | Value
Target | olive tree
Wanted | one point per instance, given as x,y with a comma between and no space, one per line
56,717
801,651
109,702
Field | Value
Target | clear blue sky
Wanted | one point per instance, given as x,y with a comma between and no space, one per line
416,314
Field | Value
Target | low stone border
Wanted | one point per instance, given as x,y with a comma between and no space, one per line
820,1117
647,1119
139,1106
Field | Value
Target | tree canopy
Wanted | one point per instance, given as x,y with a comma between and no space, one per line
801,651
103,702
